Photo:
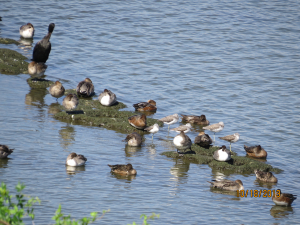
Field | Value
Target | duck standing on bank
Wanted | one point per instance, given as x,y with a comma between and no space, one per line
203,140
70,102
222,154
182,142
107,98
85,88
57,90
138,121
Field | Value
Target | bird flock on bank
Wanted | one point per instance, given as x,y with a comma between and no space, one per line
181,141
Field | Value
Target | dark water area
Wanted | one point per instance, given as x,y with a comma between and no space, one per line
236,62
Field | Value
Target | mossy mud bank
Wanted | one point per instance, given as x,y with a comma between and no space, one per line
90,112
12,62
237,164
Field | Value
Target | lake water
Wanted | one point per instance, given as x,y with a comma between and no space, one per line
234,61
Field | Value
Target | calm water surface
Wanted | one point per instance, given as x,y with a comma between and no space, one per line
236,62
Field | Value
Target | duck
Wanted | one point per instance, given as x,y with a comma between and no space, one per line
37,68
152,129
217,127
123,169
57,90
284,199
85,88
255,151
265,176
231,138
182,142
75,160
171,119
200,120
185,128
222,154
27,31
70,102
5,151
107,98
203,139
149,106
42,49
133,139
227,185
138,121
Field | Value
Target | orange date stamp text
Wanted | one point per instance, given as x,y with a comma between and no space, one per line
258,193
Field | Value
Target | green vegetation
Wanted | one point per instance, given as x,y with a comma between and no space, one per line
12,62
238,164
60,219
145,218
13,213
91,112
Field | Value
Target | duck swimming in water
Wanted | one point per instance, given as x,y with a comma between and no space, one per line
42,49
75,160
133,139
5,151
227,185
27,31
200,120
123,169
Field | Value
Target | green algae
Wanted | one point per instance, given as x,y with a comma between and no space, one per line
35,82
237,164
91,112
8,41
12,62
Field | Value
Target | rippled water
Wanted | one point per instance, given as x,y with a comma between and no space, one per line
236,62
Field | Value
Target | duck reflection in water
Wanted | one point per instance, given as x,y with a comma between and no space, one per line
35,97
67,136
72,170
281,212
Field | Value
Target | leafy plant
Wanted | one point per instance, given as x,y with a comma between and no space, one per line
12,213
60,219
152,217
